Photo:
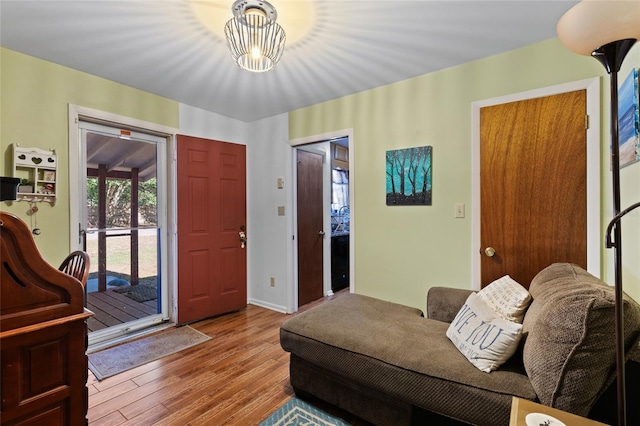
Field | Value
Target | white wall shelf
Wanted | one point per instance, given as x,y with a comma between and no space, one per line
40,168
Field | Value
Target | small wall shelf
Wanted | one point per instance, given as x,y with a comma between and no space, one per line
40,168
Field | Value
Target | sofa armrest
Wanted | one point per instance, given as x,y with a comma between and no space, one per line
443,303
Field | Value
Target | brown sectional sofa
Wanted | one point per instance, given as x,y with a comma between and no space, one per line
389,365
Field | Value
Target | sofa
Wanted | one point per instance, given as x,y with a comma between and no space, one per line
389,365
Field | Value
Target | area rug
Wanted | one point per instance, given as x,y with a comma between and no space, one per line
139,293
297,412
124,357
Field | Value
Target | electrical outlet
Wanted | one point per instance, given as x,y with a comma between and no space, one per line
273,282
459,210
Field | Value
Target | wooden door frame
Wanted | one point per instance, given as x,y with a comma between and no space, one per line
292,299
592,86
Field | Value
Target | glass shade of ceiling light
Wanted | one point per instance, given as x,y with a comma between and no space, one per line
255,40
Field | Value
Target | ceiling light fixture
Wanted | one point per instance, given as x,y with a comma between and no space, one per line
255,40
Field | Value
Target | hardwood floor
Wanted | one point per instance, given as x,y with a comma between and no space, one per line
238,377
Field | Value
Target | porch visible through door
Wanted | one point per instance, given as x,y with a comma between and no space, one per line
122,227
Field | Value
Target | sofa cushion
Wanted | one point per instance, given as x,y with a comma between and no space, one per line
391,348
569,351
485,338
507,298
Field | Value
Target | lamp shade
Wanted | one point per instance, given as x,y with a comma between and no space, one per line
591,24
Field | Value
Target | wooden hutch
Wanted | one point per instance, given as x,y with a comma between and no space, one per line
43,335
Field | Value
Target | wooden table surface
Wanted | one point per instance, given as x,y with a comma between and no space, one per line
521,407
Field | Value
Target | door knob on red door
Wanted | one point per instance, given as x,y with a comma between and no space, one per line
489,251
243,239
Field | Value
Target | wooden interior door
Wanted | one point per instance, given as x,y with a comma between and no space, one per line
533,195
310,226
212,261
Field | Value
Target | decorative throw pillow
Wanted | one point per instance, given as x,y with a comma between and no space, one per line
507,298
482,336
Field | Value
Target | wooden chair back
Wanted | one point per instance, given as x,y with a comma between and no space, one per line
77,265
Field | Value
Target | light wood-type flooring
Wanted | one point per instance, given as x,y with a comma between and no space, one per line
238,377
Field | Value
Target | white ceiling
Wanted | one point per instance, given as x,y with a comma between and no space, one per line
164,47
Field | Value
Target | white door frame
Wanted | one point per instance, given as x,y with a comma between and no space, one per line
592,86
166,174
292,302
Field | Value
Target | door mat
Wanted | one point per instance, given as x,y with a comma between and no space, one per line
297,412
124,357
139,293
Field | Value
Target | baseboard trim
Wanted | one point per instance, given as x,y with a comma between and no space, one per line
267,305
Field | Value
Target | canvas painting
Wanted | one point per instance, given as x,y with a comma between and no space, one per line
409,176
629,119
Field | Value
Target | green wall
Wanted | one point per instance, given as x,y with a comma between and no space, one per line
34,113
400,252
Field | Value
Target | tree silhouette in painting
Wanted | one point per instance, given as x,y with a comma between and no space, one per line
409,176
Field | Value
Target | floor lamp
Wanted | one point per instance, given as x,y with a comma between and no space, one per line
607,30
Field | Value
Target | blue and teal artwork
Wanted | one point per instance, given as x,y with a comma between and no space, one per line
409,176
629,119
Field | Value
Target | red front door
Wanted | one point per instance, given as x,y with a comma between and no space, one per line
212,261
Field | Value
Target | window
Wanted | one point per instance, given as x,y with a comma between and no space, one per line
339,188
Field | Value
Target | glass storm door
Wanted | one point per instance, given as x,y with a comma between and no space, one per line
123,229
